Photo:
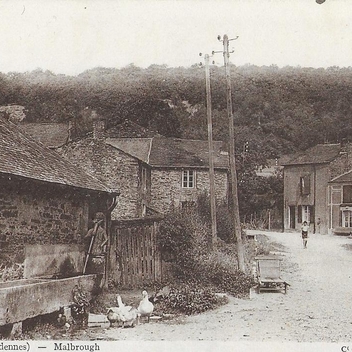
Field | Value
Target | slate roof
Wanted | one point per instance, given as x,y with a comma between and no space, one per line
50,134
170,152
319,154
344,178
22,156
130,129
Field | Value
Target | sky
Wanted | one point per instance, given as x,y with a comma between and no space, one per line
71,36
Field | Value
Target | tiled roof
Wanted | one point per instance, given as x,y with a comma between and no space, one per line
170,152
319,154
49,134
22,156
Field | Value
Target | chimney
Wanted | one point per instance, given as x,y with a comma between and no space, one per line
344,146
71,130
98,126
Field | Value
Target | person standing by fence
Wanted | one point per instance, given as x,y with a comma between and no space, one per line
95,241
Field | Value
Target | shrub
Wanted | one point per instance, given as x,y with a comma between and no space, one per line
224,223
189,298
220,270
183,240
13,272
183,237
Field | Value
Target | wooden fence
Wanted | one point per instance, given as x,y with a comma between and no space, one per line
134,256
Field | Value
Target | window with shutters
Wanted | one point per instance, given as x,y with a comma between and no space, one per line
305,185
306,213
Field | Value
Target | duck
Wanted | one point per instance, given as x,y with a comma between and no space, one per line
145,307
114,315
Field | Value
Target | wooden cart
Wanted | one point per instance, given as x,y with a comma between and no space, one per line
269,274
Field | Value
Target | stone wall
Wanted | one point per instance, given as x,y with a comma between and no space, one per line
115,168
39,213
167,192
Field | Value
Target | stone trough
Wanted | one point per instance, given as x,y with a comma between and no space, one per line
28,298
34,296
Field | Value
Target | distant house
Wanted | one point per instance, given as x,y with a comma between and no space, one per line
154,174
44,199
340,204
273,167
306,179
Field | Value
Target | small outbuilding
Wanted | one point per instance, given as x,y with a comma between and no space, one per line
44,199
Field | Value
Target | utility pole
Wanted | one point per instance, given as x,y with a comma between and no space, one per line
234,210
211,155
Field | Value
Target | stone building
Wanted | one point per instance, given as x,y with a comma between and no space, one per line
154,174
44,199
306,179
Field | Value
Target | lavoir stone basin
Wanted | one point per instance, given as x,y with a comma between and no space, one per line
28,298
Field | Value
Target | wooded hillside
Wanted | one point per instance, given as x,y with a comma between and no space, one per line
277,110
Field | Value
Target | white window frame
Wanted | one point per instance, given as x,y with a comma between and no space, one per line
346,218
305,213
188,179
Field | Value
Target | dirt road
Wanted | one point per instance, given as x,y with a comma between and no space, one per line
316,308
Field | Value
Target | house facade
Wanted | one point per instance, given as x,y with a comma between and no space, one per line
173,172
154,174
340,204
44,199
306,179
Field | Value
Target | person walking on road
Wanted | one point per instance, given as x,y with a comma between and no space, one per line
305,229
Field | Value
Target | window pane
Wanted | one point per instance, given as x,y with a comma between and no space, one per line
190,179
305,185
184,184
347,194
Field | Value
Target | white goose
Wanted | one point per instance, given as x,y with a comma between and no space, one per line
145,307
128,314
120,304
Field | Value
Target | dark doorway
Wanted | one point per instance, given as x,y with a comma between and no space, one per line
292,216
